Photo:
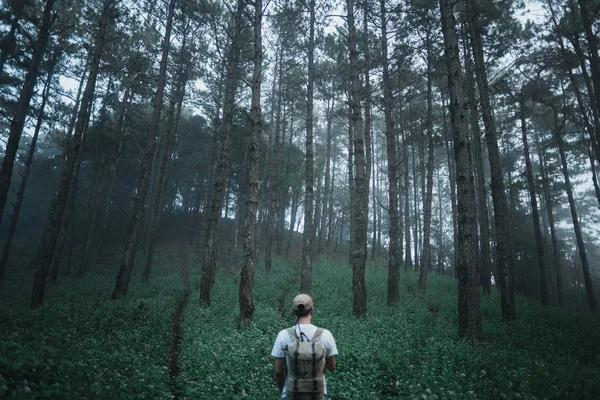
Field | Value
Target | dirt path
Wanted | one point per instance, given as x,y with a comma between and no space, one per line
175,346
433,311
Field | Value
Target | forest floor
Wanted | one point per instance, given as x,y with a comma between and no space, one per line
160,343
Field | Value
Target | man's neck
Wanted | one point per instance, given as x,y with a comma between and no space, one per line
304,320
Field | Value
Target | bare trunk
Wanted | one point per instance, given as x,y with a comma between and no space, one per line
165,161
505,269
469,315
589,287
484,222
306,272
426,260
393,287
361,178
219,186
57,206
27,167
534,207
135,219
22,107
247,274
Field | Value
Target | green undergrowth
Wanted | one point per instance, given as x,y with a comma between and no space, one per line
408,350
80,344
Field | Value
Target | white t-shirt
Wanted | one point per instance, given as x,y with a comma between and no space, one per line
283,338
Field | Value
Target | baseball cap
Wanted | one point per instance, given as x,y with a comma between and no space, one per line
302,302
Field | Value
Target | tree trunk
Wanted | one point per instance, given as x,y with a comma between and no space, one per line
57,206
407,220
169,138
22,107
507,296
485,267
361,178
135,219
220,177
125,103
367,105
393,286
27,167
327,184
534,207
247,274
469,315
427,207
452,175
306,272
589,287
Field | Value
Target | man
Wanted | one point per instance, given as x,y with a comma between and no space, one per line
303,331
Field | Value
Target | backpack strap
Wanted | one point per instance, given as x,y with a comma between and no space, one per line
317,334
292,333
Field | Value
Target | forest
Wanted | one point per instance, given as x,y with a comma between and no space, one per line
174,172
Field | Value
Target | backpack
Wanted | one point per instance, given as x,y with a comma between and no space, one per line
305,367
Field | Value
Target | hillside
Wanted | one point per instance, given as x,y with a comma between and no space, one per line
80,344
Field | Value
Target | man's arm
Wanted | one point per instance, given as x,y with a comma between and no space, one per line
280,372
330,363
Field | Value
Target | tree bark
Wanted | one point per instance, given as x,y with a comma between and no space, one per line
361,178
247,273
306,271
169,138
57,206
220,176
135,219
427,207
507,296
393,286
469,315
589,286
27,167
22,107
485,267
534,207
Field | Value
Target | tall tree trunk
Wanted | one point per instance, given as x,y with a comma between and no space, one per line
393,286
507,295
327,184
534,207
211,239
67,227
125,103
452,176
306,272
427,207
57,206
27,167
135,219
469,315
169,138
22,107
407,220
273,169
368,141
416,211
485,267
589,286
361,178
247,274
